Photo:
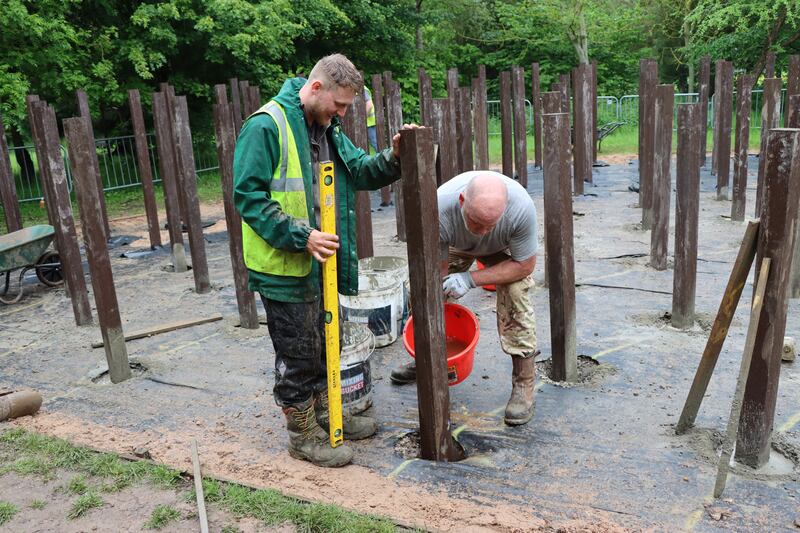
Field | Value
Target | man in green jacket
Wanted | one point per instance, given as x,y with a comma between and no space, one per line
276,191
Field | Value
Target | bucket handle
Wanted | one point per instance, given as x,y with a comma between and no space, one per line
372,347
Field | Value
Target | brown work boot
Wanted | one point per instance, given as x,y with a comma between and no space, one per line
404,374
519,409
308,441
355,427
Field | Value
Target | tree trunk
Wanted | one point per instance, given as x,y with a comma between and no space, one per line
687,41
580,39
418,37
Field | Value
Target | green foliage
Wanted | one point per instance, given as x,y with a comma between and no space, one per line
84,504
38,505
162,515
77,485
7,512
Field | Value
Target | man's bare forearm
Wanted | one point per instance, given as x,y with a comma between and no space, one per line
504,272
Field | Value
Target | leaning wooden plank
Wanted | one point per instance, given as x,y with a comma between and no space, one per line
744,369
165,328
720,328
198,489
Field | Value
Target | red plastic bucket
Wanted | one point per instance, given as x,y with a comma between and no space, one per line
486,287
462,332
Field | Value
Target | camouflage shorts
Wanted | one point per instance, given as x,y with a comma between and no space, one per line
516,322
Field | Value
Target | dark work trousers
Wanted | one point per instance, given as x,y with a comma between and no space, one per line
298,336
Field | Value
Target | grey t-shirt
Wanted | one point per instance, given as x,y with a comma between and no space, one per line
515,232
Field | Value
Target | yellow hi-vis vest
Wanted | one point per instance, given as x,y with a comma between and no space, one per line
287,188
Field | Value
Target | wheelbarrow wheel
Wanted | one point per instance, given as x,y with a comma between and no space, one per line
48,269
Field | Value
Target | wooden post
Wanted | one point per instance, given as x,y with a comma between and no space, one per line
551,103
582,150
559,239
452,104
433,396
536,101
8,189
45,183
236,104
718,67
66,236
744,92
197,244
481,118
169,98
425,96
725,73
226,141
792,87
719,330
354,124
793,121
166,162
145,171
85,112
464,129
770,118
593,108
440,113
705,82
378,100
793,113
520,129
778,220
395,119
662,183
769,66
506,140
244,92
82,160
687,205
565,93
648,78
255,98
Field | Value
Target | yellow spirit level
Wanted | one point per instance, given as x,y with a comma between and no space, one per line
330,303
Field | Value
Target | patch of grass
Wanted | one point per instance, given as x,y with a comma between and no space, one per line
164,476
7,512
162,515
38,505
84,504
230,529
77,486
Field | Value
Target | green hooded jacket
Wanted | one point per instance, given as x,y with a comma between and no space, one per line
256,157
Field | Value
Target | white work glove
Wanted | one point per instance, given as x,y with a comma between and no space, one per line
457,285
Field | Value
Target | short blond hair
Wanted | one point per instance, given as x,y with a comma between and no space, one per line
338,70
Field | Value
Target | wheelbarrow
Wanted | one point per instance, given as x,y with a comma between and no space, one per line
27,249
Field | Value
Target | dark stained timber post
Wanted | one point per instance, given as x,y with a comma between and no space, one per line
439,127
769,66
364,245
506,122
452,105
64,224
464,129
719,65
793,113
255,95
41,159
647,131
226,140
770,118
166,162
520,128
704,87
449,146
433,396
778,220
145,170
593,109
551,103
378,100
536,101
197,244
481,119
559,240
793,121
724,139
744,92
236,103
8,189
582,151
565,94
662,184
244,91
169,98
687,205
395,116
425,96
82,154
85,112
792,87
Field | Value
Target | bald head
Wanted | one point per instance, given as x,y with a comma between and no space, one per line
485,199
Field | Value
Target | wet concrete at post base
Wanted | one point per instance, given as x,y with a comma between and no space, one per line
601,451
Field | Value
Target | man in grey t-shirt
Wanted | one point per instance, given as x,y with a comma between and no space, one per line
487,216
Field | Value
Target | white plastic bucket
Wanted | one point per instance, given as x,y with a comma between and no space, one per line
382,301
358,343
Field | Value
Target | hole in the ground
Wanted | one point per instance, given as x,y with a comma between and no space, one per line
137,369
408,447
590,370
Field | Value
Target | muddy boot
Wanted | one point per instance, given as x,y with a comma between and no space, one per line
520,406
404,374
308,441
355,427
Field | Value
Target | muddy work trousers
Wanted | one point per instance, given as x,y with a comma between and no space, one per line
516,322
298,333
